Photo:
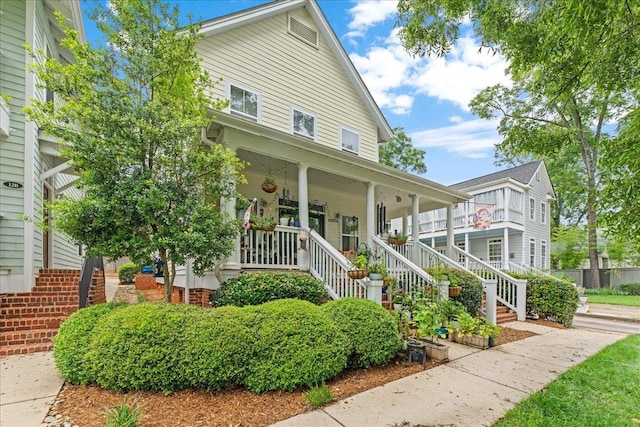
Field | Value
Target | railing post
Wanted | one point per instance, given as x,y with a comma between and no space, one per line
374,290
521,299
490,289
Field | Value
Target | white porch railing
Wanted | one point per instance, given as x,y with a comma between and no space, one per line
409,275
326,263
430,257
510,292
527,269
270,249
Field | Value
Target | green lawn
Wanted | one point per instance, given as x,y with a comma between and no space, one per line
631,300
604,390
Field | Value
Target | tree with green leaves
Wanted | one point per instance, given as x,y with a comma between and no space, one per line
573,64
401,154
130,121
570,248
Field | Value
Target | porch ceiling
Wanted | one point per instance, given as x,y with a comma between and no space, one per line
267,148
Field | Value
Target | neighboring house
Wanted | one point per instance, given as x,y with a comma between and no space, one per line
507,223
31,169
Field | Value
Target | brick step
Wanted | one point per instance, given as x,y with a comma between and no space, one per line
34,336
57,287
26,323
505,318
37,310
11,350
38,298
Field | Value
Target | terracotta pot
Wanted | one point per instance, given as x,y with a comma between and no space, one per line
357,274
455,291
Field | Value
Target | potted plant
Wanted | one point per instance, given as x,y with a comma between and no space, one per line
358,267
454,289
429,320
488,330
398,239
269,185
264,223
377,269
398,300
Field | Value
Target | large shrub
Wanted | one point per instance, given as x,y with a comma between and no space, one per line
127,272
372,330
72,341
630,288
471,294
220,345
140,348
258,288
294,345
550,298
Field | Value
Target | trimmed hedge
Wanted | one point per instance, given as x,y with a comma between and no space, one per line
259,288
550,298
127,272
72,341
630,288
294,344
372,330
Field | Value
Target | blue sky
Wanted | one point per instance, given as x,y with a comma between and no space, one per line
428,97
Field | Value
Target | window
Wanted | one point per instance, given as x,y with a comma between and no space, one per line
350,226
303,124
532,252
461,257
244,102
532,209
349,140
543,212
495,250
543,254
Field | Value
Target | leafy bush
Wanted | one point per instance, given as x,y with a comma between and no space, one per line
123,415
372,330
140,348
127,272
319,395
72,341
630,288
552,299
220,344
258,288
294,344
471,294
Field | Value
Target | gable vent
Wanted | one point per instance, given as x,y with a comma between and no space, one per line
303,32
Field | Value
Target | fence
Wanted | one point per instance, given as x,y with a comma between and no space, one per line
609,277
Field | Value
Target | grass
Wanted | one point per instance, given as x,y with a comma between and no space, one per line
630,300
123,415
319,395
604,390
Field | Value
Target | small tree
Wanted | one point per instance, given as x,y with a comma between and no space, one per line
130,120
400,154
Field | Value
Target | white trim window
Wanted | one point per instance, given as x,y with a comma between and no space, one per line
532,209
543,212
494,249
532,252
349,140
350,233
303,123
243,102
543,254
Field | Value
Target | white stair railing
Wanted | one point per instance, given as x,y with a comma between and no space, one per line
409,275
510,292
429,258
327,264
527,269
270,249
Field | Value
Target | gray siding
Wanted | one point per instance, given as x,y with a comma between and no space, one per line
535,228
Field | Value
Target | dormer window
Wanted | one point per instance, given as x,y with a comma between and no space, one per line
349,140
303,123
244,102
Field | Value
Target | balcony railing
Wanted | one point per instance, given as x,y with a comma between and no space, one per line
270,249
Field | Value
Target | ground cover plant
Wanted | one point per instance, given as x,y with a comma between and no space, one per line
604,390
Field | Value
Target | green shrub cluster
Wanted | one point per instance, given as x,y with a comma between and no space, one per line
258,288
372,330
471,294
127,272
280,345
551,298
630,288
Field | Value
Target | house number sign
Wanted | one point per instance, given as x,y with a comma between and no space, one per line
12,184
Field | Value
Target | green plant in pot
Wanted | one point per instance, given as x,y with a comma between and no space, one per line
269,185
377,269
429,320
358,267
265,223
398,239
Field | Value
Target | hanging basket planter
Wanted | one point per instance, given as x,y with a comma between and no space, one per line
270,227
269,188
398,241
357,274
455,291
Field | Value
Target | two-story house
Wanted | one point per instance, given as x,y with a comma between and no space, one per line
507,223
31,169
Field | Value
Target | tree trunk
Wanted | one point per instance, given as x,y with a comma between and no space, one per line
168,278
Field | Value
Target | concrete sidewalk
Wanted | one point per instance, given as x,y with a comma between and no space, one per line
612,312
476,388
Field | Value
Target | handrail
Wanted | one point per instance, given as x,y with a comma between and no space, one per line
510,292
527,269
327,264
409,275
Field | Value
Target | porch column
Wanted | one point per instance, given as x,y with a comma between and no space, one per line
371,218
507,203
303,213
450,239
505,249
415,228
231,265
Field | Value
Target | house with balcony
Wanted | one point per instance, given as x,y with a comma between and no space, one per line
507,223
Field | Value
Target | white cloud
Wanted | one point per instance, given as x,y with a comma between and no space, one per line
455,119
473,138
368,13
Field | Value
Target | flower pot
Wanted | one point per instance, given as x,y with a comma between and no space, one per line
375,276
397,307
284,221
269,188
357,274
437,351
583,300
455,291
